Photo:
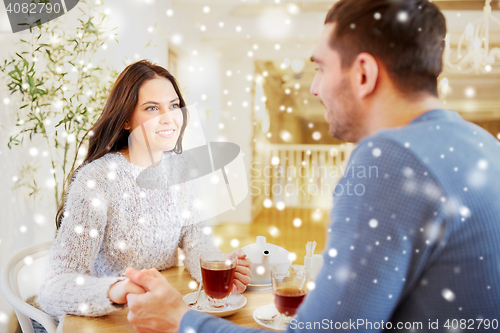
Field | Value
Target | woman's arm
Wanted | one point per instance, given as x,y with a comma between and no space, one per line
70,285
196,240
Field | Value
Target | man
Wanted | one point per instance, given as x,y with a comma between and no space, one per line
419,249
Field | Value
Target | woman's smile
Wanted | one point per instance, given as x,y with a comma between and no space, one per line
168,133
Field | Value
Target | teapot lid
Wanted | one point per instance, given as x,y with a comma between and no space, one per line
262,245
263,255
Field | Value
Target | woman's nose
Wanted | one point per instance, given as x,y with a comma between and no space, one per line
166,117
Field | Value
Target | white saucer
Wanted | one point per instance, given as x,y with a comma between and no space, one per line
235,303
257,287
268,312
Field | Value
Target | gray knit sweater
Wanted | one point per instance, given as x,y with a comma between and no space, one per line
110,224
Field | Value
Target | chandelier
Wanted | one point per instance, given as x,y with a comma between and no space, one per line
473,53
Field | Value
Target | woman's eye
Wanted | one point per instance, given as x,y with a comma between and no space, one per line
175,106
151,108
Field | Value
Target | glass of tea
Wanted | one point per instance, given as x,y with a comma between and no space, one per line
217,271
289,288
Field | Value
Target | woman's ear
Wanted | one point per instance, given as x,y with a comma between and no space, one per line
127,126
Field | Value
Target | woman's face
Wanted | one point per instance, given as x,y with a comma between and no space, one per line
157,116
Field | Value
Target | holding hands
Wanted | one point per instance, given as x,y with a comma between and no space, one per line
118,291
159,307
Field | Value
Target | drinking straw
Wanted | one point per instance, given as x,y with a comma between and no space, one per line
310,247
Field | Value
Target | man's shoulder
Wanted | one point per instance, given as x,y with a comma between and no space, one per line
433,133
450,150
435,138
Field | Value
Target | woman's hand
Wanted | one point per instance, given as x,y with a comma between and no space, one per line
119,290
243,272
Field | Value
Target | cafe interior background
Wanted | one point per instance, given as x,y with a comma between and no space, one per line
244,63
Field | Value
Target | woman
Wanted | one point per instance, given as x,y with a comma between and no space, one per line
108,222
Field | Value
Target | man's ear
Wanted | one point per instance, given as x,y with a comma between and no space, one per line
366,71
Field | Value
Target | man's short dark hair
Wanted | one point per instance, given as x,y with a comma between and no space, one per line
407,36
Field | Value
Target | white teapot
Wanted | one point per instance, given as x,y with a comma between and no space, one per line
263,255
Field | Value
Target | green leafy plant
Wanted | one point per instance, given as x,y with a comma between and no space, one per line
62,88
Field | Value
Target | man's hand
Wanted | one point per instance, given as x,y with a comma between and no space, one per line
119,290
243,272
160,309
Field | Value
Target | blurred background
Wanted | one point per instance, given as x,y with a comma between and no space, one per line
244,63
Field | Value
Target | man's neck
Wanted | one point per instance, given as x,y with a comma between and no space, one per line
396,111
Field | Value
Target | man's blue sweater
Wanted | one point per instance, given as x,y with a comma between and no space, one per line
414,238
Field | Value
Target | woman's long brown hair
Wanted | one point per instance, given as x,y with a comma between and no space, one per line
108,132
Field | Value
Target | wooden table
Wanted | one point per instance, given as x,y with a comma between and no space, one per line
179,278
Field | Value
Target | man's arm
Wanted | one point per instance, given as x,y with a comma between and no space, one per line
161,308
386,223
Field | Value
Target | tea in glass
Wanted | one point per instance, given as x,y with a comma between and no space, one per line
287,300
289,288
217,271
